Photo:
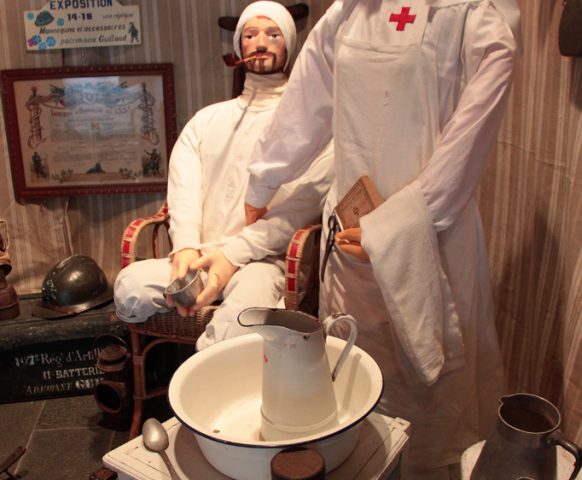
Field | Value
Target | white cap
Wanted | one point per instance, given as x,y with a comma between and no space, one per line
276,12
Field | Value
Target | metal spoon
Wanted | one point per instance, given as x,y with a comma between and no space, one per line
155,439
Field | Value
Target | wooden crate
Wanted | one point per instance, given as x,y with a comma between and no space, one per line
42,358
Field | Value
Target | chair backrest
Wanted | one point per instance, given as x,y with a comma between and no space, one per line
302,270
131,234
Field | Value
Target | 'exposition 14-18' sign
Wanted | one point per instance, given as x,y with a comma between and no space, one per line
81,23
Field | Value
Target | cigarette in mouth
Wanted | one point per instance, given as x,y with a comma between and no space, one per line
248,59
232,61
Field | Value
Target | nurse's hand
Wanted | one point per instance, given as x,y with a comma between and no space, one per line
220,271
252,214
349,241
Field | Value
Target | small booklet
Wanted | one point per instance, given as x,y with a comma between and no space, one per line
361,199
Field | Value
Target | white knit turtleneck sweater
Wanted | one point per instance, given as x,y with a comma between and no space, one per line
262,91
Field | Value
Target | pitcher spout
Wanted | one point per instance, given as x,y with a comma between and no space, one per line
273,322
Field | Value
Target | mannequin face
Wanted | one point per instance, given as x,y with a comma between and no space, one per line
261,37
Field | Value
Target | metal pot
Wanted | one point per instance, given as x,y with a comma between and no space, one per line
523,444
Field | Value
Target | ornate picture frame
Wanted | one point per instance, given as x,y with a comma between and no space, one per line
89,130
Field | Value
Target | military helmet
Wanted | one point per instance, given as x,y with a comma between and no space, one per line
72,286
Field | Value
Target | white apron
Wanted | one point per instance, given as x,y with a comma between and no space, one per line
386,123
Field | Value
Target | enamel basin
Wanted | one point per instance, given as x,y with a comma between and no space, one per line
216,394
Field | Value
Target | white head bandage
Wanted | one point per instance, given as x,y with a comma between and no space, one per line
276,12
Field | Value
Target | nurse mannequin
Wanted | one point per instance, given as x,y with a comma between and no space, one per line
413,93
207,180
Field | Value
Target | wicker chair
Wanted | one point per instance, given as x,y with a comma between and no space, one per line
301,293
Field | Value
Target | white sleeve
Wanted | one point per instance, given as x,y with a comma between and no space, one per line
451,176
296,204
302,124
185,188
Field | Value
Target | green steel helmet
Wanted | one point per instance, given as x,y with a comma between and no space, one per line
72,286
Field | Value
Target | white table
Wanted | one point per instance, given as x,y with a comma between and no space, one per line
379,454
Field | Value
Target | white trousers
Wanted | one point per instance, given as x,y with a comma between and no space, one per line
138,294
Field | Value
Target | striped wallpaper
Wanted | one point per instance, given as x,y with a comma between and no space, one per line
531,201
531,196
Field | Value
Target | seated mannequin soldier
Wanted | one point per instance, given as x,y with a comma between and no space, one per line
206,186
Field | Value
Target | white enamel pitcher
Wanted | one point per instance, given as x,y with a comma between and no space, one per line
298,397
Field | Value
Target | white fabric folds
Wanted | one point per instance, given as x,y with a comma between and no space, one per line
508,8
403,247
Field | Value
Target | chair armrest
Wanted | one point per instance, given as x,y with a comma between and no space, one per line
134,229
301,270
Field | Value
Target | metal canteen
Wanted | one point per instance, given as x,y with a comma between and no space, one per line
297,391
523,443
184,291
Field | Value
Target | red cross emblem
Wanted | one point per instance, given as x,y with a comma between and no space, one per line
402,18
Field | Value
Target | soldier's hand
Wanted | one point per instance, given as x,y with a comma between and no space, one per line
220,271
252,214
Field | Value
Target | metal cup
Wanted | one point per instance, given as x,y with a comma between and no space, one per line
185,290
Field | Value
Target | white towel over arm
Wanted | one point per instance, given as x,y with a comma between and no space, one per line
403,247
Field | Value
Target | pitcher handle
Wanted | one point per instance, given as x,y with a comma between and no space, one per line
351,321
558,438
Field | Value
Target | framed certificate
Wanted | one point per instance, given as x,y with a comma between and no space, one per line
89,130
